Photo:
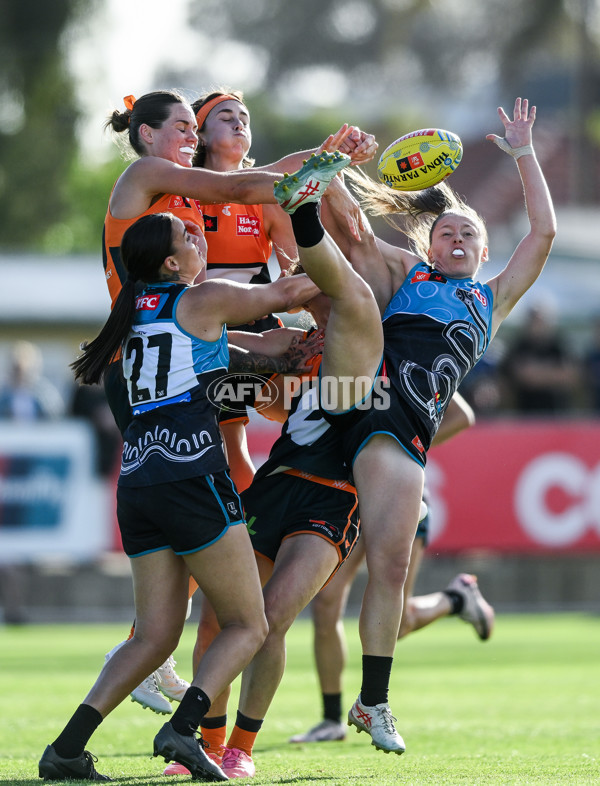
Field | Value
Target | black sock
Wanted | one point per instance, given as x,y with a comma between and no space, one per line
456,600
332,706
190,713
307,226
248,724
376,672
74,737
214,723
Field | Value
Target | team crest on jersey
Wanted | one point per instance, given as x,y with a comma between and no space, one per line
248,225
211,223
147,302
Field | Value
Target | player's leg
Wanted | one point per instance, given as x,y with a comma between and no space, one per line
160,588
329,644
354,321
390,487
303,564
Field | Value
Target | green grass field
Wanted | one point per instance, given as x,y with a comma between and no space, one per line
523,708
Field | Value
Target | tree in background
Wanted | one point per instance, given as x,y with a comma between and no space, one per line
38,114
406,60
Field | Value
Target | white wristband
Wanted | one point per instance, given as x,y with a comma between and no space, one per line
515,152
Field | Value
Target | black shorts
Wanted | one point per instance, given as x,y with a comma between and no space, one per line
396,420
282,505
186,515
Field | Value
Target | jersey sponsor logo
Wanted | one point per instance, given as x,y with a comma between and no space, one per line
179,201
226,210
147,302
211,223
328,529
413,161
423,275
247,225
480,296
418,444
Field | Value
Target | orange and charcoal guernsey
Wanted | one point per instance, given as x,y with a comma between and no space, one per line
238,248
114,229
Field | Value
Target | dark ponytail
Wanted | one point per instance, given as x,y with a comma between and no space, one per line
144,248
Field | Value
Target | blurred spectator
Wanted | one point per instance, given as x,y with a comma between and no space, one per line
89,402
482,387
591,369
25,396
541,374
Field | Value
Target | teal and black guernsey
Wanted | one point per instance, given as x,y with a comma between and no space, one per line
435,330
174,433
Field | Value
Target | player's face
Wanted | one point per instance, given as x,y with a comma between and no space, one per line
226,134
457,246
176,140
189,249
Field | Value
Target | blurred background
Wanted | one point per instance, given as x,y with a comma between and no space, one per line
527,517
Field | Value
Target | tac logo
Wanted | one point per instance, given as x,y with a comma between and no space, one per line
147,303
233,393
418,444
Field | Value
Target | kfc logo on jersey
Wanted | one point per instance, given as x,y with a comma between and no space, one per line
248,225
211,223
147,302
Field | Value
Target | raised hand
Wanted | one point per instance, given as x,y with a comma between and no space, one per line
360,146
517,132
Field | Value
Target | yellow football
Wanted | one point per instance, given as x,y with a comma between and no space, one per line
420,159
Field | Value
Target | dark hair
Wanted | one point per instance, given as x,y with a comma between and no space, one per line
152,109
144,247
200,155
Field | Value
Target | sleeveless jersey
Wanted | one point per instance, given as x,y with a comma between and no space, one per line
435,330
238,248
308,442
114,229
174,432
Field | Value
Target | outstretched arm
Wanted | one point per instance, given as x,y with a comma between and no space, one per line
530,256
